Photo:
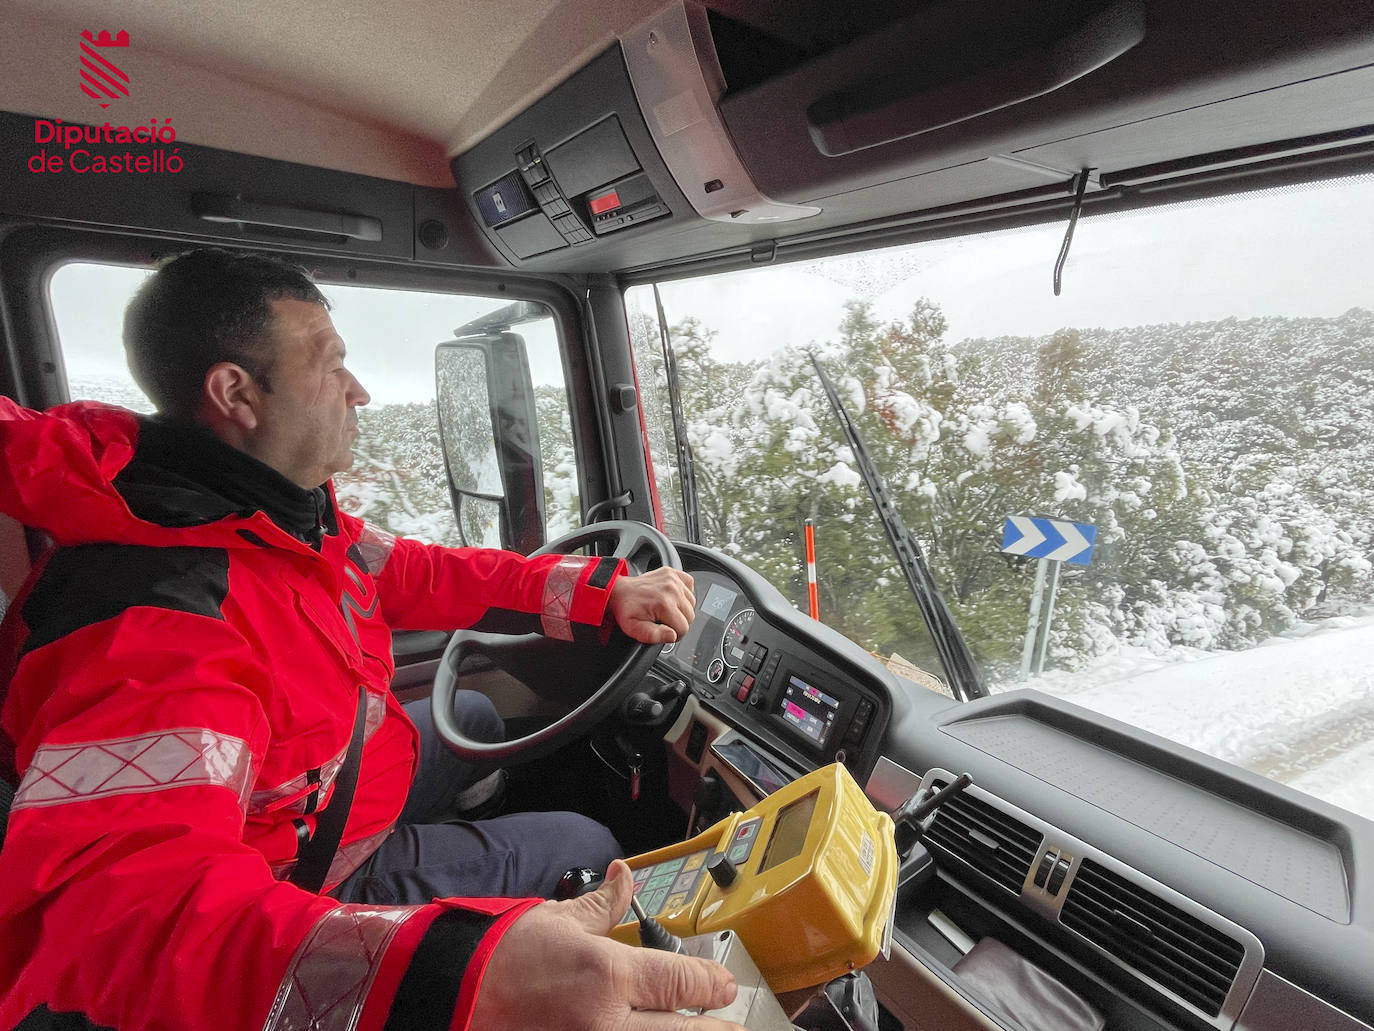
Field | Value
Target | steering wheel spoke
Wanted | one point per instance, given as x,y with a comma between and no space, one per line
589,679
640,550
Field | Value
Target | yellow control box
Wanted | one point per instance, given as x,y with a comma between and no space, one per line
806,879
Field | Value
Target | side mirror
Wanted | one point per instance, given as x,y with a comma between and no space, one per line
490,438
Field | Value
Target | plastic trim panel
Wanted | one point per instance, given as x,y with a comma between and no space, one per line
1048,906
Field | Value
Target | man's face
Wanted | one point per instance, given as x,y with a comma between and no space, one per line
309,420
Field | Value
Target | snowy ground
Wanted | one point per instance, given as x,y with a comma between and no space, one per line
1298,709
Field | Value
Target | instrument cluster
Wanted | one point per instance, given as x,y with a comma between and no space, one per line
770,681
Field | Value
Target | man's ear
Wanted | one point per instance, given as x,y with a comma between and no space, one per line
231,397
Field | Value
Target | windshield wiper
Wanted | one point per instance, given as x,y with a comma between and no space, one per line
965,679
686,465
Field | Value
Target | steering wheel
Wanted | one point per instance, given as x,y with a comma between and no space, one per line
592,680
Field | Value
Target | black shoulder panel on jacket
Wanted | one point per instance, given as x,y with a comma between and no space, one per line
44,1019
95,582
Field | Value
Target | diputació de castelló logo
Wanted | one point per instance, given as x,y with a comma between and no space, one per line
101,79
104,81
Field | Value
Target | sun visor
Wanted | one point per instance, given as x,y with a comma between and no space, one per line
671,58
950,80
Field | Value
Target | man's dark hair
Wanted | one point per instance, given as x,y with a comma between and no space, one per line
202,308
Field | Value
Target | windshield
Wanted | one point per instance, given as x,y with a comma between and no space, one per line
1197,401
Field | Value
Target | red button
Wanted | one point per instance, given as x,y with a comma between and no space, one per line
743,693
605,202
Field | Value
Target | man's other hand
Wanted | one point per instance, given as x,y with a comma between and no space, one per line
655,607
555,968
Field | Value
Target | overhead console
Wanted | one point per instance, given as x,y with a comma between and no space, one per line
698,134
575,167
600,188
632,147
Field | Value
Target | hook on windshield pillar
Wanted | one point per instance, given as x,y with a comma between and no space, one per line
601,508
1079,184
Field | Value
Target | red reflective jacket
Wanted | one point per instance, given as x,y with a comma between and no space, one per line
179,698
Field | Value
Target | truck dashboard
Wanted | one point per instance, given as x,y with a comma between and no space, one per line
1171,890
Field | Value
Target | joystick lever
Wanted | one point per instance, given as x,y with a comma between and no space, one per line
652,934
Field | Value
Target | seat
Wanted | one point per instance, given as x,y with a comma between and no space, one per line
14,568
6,800
14,560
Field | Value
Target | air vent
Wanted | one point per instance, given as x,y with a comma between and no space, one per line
1192,959
985,838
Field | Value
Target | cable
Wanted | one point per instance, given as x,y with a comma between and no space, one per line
1068,234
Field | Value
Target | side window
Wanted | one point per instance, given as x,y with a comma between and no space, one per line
398,479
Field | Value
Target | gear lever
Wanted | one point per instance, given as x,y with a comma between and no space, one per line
576,882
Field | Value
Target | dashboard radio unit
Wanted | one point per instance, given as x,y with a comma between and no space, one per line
806,710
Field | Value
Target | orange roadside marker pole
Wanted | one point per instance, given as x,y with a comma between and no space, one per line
811,571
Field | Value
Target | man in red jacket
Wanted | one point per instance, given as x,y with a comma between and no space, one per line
181,676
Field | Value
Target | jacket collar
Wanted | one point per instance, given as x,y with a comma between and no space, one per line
183,475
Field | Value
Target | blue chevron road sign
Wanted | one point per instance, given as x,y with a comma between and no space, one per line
1057,539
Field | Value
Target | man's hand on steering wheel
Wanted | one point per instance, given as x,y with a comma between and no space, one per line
655,607
652,608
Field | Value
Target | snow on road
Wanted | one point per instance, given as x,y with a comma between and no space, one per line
1298,709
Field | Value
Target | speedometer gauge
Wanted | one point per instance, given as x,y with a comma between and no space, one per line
736,636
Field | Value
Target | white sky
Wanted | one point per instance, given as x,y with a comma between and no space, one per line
390,334
1291,252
